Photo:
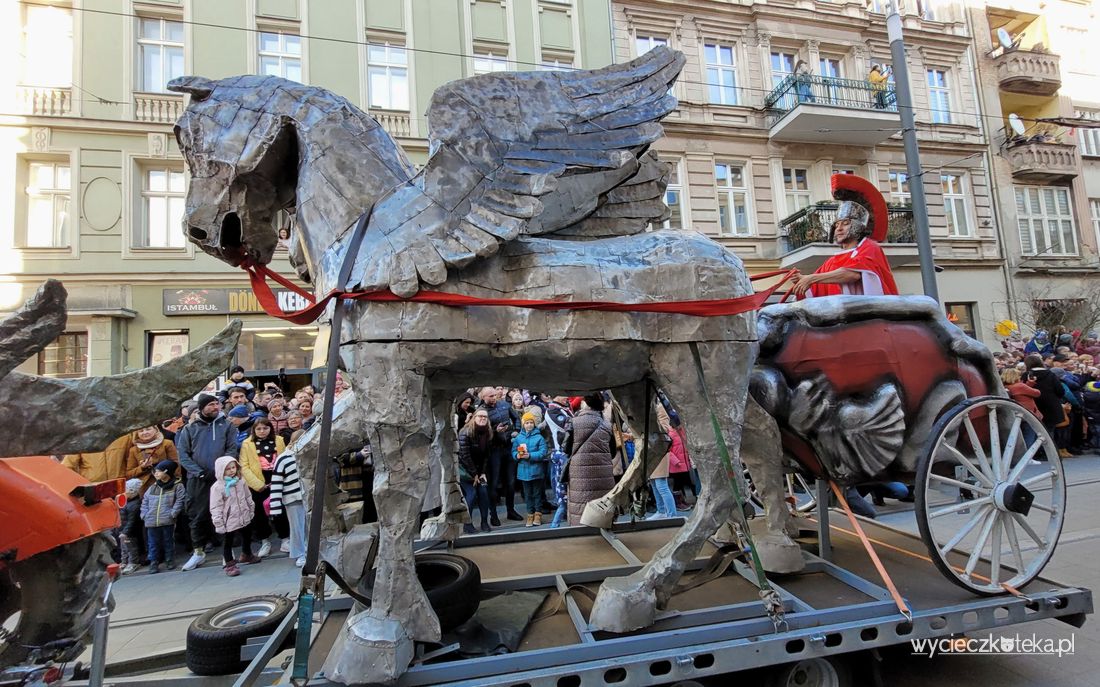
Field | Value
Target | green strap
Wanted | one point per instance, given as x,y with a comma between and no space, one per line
772,601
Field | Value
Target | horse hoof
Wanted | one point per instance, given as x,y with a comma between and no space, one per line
599,513
778,554
623,604
439,528
369,651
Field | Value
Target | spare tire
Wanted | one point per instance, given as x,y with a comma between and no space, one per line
452,584
215,638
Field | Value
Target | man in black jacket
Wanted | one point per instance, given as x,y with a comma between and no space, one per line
200,444
1049,402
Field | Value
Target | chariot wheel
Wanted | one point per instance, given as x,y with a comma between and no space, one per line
990,496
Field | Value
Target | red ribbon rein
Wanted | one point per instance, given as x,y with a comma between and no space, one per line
258,274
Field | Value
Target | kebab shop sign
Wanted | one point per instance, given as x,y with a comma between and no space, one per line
225,302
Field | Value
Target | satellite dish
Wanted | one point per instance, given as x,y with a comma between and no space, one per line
1016,124
1005,38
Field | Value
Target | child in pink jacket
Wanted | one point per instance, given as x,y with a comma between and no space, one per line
231,510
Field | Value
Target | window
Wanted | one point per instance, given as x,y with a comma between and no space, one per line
939,96
927,9
721,73
67,357
962,316
796,188
281,55
487,61
47,48
844,170
899,187
1045,214
163,346
782,66
830,68
878,6
674,197
1094,214
48,190
160,52
556,64
646,43
162,200
387,76
1089,139
954,204
733,199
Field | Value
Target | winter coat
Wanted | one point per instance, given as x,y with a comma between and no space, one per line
532,468
1025,396
590,446
1050,399
146,457
202,442
502,413
558,459
231,508
162,503
131,519
251,469
1043,348
278,424
1090,404
111,463
472,461
677,453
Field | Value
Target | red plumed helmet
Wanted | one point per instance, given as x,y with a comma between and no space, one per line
859,190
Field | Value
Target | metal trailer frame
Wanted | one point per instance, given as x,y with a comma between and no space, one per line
681,645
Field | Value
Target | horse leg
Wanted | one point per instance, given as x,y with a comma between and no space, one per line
376,645
762,451
629,603
632,399
448,524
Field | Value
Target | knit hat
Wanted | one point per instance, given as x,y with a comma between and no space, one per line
1094,387
204,400
528,416
133,485
168,466
239,411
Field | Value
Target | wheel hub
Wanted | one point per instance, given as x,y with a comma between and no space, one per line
1013,497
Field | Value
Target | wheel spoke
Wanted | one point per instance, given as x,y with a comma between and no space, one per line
979,452
1043,507
999,466
995,555
956,483
1024,460
1010,443
956,507
970,467
1027,528
983,537
966,529
1014,542
1038,478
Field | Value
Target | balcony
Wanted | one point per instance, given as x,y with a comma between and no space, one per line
44,101
1043,161
396,122
804,237
159,108
1027,72
823,109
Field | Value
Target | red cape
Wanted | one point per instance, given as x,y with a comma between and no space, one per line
867,257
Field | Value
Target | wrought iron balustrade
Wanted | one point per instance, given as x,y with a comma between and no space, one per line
812,224
810,89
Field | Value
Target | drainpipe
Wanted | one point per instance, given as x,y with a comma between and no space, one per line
912,152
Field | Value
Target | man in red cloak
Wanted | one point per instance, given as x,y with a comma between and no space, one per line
859,269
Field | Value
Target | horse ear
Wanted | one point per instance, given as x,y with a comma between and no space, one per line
199,87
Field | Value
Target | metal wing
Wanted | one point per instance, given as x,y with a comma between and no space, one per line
501,144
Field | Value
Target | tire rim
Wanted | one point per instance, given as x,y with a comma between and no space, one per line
812,672
989,514
243,613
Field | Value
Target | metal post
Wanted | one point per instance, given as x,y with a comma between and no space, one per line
824,543
912,153
99,632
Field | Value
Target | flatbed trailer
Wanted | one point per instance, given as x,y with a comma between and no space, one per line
837,606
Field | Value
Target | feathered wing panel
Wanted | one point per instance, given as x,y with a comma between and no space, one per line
531,152
629,207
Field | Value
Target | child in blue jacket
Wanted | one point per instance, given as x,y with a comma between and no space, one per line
530,454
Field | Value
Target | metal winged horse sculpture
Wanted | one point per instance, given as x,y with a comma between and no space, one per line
538,186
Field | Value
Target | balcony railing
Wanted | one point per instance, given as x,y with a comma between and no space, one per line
812,224
162,108
1031,73
1038,160
396,123
44,101
851,94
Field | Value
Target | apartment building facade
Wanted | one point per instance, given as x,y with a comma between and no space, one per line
754,143
1037,68
95,185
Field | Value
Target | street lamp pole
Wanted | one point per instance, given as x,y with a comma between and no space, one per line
912,153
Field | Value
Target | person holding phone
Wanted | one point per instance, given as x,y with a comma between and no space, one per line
475,446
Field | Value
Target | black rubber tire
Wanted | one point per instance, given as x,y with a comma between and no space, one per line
452,584
58,593
214,649
781,675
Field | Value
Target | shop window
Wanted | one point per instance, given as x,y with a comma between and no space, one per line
277,347
164,346
962,316
65,358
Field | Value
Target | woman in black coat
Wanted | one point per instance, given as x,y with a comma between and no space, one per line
475,447
1049,402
